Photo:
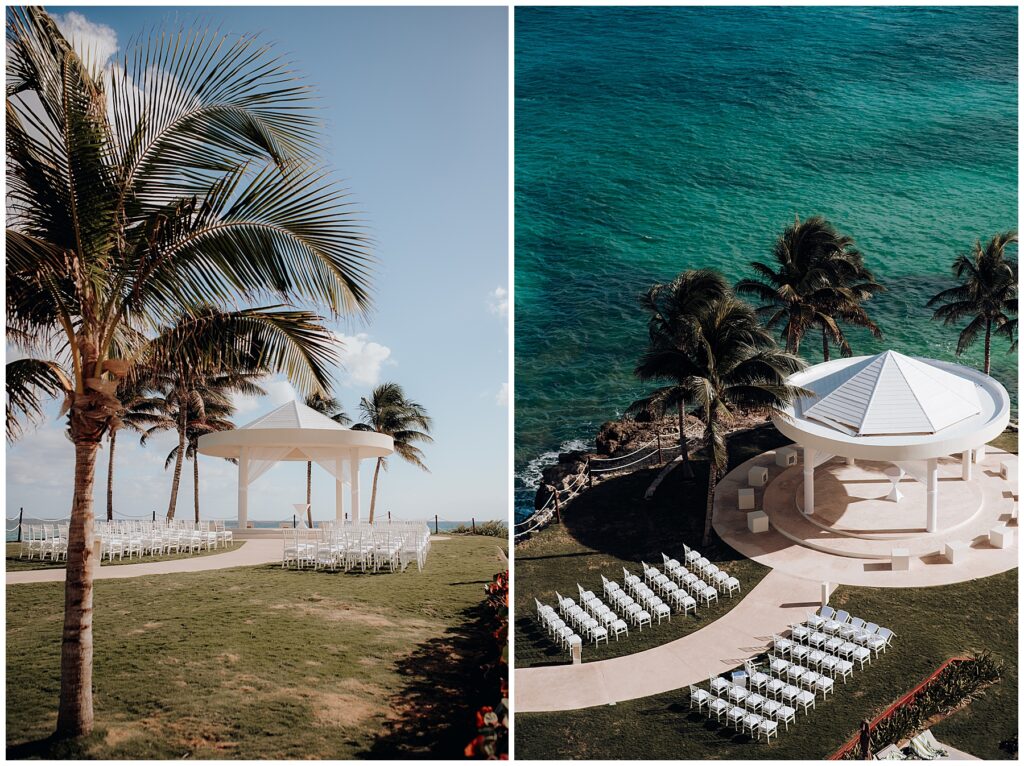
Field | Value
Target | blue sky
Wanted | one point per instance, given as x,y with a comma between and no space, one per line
415,103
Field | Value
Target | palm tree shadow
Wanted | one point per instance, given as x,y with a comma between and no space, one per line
446,681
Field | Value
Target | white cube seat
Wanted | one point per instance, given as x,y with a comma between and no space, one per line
757,522
956,551
1000,536
785,457
900,559
1008,470
745,499
757,476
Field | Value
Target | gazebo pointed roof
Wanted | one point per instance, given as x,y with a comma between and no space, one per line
294,414
891,394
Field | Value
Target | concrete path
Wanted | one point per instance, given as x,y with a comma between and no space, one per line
774,603
244,554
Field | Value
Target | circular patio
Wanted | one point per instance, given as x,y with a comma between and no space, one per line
889,482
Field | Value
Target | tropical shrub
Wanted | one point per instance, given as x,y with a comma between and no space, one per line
486,528
955,684
491,740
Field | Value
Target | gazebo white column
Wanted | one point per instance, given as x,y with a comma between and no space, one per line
353,467
965,465
810,456
339,491
243,488
933,494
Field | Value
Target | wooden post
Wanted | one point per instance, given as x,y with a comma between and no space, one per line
660,461
21,515
590,476
295,522
389,517
435,523
474,525
558,514
154,517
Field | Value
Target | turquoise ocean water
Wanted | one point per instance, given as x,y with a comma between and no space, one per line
652,140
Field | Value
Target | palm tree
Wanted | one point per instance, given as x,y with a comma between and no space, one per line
137,194
987,293
214,416
331,408
674,310
388,411
732,363
138,411
193,400
818,280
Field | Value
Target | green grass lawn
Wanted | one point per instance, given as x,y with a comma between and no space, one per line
932,624
611,526
264,663
615,523
17,564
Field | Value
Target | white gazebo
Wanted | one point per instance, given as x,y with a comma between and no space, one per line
295,432
907,411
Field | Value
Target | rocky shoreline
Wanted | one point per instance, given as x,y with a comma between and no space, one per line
624,436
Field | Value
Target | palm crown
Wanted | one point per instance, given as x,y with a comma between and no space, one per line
818,279
389,411
987,293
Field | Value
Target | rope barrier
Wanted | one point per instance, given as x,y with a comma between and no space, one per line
622,457
627,465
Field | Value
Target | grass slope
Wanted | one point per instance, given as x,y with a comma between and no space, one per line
932,624
263,663
611,526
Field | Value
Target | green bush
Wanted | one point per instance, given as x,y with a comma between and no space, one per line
956,684
487,528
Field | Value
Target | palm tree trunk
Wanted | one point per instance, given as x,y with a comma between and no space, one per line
988,347
710,510
177,473
110,475
309,493
373,491
824,344
195,483
75,716
683,451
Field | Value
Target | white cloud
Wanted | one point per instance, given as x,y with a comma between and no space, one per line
362,359
497,301
501,399
95,43
280,392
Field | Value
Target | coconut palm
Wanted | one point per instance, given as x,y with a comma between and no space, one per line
732,364
192,402
388,411
818,280
213,416
138,411
184,175
987,293
674,310
29,381
329,407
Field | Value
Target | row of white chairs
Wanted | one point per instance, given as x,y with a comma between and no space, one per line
764,720
703,570
853,629
645,596
684,581
581,621
601,612
557,628
133,538
390,546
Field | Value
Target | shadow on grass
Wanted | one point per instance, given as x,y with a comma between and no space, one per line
445,686
55,748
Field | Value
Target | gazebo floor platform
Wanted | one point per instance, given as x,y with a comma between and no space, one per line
854,529
852,516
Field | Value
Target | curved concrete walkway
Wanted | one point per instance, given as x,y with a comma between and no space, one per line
774,603
248,553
